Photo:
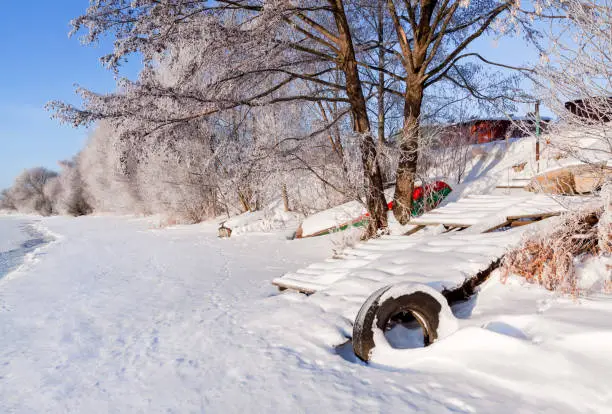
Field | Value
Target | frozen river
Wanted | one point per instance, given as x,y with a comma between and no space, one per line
18,237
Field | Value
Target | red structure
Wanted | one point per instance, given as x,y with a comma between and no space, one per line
479,131
487,130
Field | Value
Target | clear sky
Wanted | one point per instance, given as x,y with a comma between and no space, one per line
39,63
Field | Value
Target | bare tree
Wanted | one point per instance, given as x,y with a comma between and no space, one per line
433,37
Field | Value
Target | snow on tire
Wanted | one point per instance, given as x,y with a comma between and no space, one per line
426,304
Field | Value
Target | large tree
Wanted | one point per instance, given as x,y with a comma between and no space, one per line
434,37
232,54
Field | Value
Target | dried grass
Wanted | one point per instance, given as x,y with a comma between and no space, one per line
548,257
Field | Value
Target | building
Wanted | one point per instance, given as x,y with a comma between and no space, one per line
481,130
597,108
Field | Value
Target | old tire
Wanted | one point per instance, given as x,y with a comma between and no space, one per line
425,304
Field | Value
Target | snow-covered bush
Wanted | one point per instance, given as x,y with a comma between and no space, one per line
605,221
42,191
53,193
6,200
550,256
179,182
575,79
34,191
106,187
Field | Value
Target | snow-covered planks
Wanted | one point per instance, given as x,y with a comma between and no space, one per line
492,209
444,262
467,211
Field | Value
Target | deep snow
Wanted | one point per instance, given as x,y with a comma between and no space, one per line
113,315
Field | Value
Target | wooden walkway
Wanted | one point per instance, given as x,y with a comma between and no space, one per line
445,261
495,211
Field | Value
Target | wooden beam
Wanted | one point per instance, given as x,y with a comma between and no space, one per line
468,288
414,230
282,286
437,223
538,216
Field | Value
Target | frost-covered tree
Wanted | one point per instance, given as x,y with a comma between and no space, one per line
434,39
34,190
107,185
7,201
179,180
71,197
575,77
575,82
230,54
348,59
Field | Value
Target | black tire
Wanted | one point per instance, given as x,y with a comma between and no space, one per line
423,306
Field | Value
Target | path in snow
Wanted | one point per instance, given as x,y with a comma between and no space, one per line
121,317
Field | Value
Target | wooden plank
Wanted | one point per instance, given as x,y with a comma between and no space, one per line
288,286
436,212
414,230
468,288
483,197
533,216
517,223
437,223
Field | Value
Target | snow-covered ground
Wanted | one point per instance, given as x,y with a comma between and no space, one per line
113,315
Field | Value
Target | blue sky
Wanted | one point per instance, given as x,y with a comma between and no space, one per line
39,63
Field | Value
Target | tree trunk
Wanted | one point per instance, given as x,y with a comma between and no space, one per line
381,76
244,202
408,153
375,197
285,196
